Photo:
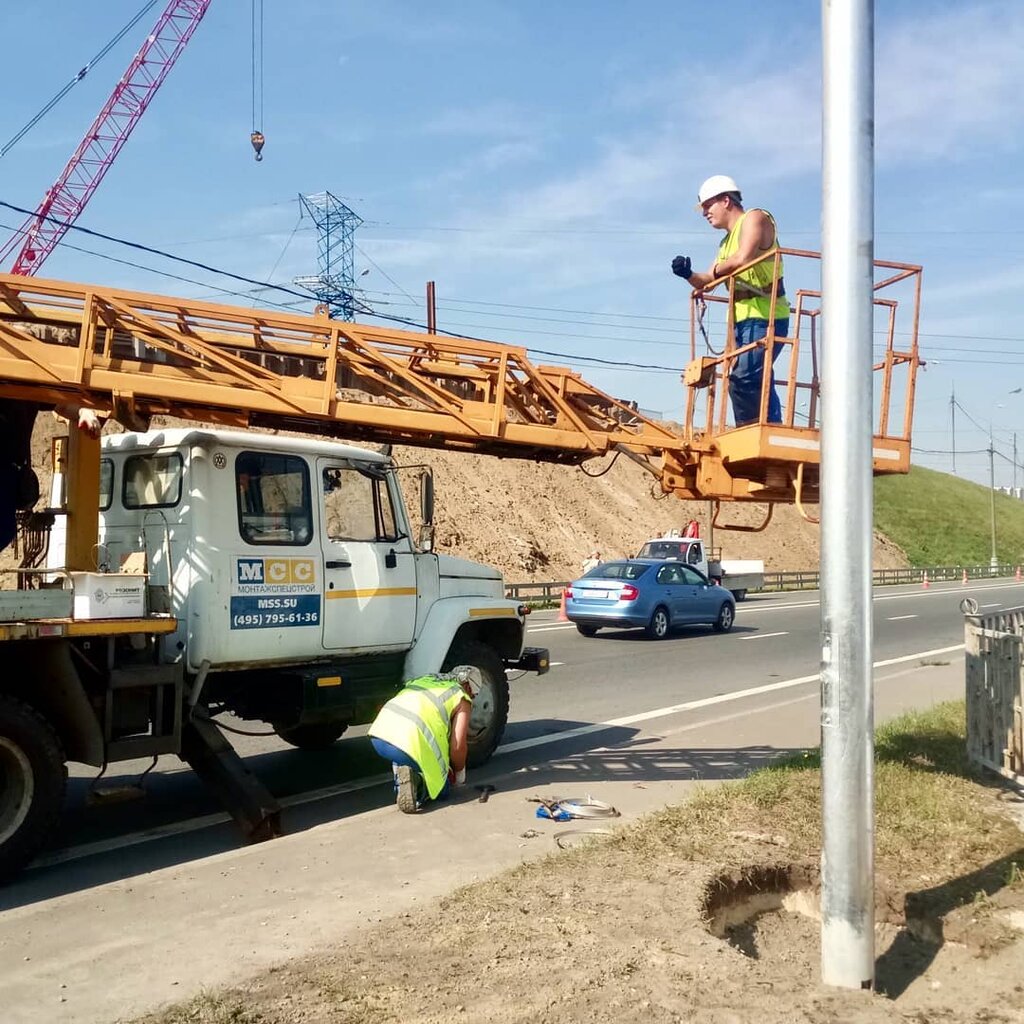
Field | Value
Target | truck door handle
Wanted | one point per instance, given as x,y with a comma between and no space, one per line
337,563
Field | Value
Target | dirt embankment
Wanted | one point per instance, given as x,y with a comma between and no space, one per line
536,521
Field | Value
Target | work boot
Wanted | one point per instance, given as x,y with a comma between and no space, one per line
405,789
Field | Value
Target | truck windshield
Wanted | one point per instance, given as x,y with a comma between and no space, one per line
663,549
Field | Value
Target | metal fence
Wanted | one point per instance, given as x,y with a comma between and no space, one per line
995,682
807,579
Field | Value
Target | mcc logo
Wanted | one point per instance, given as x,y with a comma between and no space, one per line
275,572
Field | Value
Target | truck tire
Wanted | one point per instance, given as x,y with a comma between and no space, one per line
312,736
658,627
32,781
740,595
490,706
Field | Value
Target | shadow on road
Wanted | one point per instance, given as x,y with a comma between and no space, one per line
678,633
176,822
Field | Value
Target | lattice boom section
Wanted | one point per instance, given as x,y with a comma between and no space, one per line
144,354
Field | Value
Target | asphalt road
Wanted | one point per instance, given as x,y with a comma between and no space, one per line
599,683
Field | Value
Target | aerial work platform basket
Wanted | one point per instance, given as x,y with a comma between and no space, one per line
780,461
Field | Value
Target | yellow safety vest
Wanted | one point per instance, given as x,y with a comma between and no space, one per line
417,720
753,288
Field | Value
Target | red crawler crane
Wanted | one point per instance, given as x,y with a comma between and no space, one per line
62,204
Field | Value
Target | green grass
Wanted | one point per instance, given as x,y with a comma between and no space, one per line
938,519
928,806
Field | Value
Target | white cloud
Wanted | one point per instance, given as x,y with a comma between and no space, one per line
950,82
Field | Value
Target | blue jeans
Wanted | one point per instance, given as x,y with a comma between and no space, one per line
747,370
399,757
391,753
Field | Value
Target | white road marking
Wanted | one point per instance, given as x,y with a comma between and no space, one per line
897,618
694,705
762,636
180,828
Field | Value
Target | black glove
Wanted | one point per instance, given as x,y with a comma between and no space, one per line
682,267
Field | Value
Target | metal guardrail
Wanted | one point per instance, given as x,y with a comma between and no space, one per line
550,592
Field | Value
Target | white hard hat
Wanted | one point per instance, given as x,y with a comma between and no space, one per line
715,186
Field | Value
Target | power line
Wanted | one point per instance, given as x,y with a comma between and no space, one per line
158,252
86,68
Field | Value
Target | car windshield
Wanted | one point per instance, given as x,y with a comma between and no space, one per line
617,571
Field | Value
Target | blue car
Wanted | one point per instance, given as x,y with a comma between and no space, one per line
649,593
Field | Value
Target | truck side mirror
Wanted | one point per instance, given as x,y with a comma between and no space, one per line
427,499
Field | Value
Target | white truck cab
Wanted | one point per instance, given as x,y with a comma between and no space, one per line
277,579
736,575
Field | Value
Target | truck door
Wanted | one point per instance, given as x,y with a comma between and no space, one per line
369,564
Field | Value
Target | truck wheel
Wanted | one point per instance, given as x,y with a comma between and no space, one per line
726,617
312,736
490,706
740,595
587,630
32,781
658,627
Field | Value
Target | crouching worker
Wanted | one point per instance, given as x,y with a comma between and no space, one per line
424,731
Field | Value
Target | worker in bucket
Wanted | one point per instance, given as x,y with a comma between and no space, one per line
424,731
748,234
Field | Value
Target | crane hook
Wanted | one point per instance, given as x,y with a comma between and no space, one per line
257,139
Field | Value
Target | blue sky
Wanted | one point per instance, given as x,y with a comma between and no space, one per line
539,161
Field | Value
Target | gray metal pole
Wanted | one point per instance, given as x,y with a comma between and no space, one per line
847,707
994,560
952,423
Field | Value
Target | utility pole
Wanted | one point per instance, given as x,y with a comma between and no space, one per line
952,423
431,308
1015,463
847,708
994,561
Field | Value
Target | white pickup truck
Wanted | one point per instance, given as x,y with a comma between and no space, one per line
736,575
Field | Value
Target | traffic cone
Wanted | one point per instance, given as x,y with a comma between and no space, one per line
924,581
964,580
562,617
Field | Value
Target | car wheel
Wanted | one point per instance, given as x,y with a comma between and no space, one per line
657,628
587,630
490,706
311,736
726,617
